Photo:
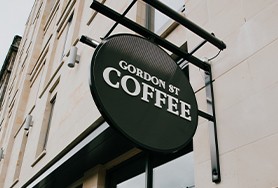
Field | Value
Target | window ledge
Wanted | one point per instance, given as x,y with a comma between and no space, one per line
169,27
43,153
14,183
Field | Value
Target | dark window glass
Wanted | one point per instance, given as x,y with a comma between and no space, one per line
178,173
169,170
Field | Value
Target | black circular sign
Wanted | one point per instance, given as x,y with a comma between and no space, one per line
141,92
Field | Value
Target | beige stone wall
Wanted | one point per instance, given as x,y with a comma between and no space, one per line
40,73
245,91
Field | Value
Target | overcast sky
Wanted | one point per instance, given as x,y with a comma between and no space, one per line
13,16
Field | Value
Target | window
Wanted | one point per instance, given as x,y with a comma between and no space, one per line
182,177
169,170
14,162
129,174
22,140
45,128
3,90
52,104
68,33
135,182
160,21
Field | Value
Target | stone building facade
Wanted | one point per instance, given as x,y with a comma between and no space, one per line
53,135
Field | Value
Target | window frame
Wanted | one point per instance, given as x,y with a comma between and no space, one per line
50,117
138,165
45,126
66,41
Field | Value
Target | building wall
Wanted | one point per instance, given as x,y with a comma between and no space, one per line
5,76
245,88
40,73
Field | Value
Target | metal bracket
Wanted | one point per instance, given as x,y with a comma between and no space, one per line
210,115
88,41
108,12
214,152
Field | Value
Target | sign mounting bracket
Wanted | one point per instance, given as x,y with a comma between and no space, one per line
214,152
204,65
210,116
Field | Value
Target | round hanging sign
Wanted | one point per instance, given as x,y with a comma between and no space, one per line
143,93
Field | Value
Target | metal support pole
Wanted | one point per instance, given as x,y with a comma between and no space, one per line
198,47
205,115
123,15
90,42
214,153
149,171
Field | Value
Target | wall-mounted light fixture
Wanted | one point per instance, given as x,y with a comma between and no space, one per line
73,57
28,122
1,154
